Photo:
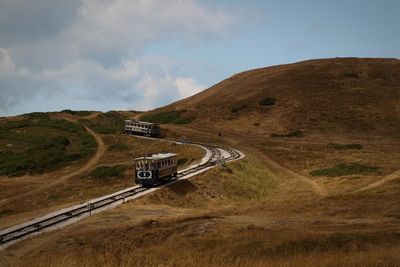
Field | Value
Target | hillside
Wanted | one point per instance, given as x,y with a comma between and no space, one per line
332,121
57,159
319,185
341,95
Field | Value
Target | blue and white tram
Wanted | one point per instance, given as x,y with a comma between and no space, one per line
155,169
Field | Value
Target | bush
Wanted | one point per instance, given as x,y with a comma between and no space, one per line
118,146
107,171
16,124
43,150
62,125
77,112
183,121
6,212
181,161
56,142
344,169
268,101
295,133
351,74
106,123
345,146
168,117
235,109
37,115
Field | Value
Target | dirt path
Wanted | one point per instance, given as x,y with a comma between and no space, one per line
233,140
315,187
101,149
387,178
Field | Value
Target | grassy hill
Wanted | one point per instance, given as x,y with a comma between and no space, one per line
315,134
35,143
341,95
48,160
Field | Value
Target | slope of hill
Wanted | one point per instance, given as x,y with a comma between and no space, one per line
57,159
314,133
328,120
349,95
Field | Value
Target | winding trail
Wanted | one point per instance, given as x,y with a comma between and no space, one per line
314,186
101,149
387,178
69,215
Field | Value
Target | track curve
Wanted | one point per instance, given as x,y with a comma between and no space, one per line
67,216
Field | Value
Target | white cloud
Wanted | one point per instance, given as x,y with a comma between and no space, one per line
95,55
6,65
188,87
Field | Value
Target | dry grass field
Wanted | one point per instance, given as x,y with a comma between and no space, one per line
295,200
32,195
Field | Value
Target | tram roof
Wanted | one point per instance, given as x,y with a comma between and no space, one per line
142,122
158,156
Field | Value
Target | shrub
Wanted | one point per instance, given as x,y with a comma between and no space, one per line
345,146
62,124
56,141
183,120
16,124
351,74
118,146
37,115
43,150
107,171
77,112
6,212
106,123
181,161
168,117
235,109
344,169
268,101
295,133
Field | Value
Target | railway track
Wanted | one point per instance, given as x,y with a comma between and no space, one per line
17,233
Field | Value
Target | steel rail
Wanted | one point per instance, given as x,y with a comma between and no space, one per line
40,225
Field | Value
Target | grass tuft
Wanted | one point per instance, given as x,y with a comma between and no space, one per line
238,108
295,133
118,147
77,112
268,101
345,169
168,117
181,161
351,74
108,171
345,146
107,123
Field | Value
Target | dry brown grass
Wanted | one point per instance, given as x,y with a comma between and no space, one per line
44,198
258,212
205,222
376,257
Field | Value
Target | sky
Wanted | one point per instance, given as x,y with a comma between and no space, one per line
142,54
